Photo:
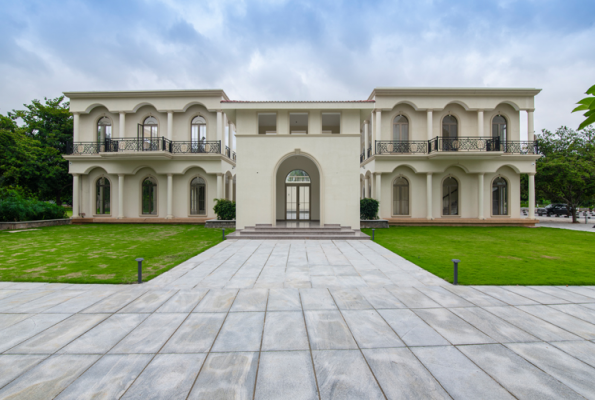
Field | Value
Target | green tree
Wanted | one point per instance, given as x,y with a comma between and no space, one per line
588,105
566,172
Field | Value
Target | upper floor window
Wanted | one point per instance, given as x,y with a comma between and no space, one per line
198,130
331,123
150,128
104,129
400,128
450,127
298,123
499,128
267,124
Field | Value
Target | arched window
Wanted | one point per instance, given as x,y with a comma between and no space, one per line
198,130
102,198
450,127
401,196
149,134
450,196
500,197
297,176
104,129
197,197
401,128
149,196
297,195
499,128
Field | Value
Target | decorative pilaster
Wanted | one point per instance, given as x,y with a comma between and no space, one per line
75,196
170,190
480,123
120,196
170,125
429,122
429,196
530,126
122,130
75,129
532,196
480,204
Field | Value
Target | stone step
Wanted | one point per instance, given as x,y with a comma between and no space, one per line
297,232
239,236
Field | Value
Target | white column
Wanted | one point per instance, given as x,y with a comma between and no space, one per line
122,130
429,124
170,191
230,189
480,204
480,123
372,186
377,126
429,196
220,130
378,187
75,130
219,186
530,126
532,196
170,125
120,196
368,187
75,195
228,135
366,139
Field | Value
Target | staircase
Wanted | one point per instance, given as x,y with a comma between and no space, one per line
326,232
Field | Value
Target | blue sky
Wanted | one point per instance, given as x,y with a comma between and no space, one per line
299,50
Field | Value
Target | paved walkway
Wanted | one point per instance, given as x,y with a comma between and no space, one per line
274,320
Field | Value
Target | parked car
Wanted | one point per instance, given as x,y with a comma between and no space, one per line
554,209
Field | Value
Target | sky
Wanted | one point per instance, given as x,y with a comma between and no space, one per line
299,50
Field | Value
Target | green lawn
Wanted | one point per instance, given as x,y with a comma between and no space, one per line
97,253
498,255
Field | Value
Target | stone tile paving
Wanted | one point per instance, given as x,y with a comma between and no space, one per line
296,320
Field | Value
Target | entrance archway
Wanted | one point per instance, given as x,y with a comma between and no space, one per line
297,190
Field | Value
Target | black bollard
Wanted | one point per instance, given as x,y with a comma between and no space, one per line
223,233
373,230
456,272
140,269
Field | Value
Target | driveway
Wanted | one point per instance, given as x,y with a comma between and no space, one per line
310,319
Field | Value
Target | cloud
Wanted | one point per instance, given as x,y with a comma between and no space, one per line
299,50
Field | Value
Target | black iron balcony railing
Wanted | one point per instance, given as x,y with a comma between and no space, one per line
370,151
137,144
362,156
460,144
84,148
233,155
213,146
145,144
401,146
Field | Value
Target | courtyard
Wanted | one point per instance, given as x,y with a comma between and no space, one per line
296,319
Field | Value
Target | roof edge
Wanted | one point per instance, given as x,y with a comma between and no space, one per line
148,93
456,91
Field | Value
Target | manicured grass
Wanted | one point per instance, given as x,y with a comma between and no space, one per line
498,255
98,253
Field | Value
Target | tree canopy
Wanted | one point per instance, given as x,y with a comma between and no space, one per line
588,105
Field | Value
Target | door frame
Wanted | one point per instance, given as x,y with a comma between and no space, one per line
298,201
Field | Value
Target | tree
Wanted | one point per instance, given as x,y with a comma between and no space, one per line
566,172
587,104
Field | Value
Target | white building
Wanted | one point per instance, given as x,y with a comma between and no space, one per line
451,156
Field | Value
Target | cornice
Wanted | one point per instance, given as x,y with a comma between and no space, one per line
148,93
421,91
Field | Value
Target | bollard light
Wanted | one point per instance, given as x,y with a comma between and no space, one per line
373,230
223,233
140,269
455,281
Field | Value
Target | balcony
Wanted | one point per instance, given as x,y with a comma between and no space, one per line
460,144
149,145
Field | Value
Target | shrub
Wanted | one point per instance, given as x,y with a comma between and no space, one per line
368,209
14,207
225,209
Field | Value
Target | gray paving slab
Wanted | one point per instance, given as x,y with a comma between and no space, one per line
583,290
168,376
402,376
506,296
518,376
251,300
583,350
564,294
494,327
28,328
474,296
527,322
565,368
13,365
578,311
381,298
49,378
196,335
412,330
562,320
150,335
7,320
115,302
7,293
148,302
226,376
444,297
370,330
104,336
413,298
317,299
183,302
328,331
284,300
46,302
241,331
460,377
22,298
451,327
350,299
59,335
286,375
285,330
79,303
344,374
535,295
217,300
108,378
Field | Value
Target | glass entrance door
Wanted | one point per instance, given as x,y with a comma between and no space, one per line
297,202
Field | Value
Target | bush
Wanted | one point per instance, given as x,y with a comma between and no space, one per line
14,208
225,209
368,209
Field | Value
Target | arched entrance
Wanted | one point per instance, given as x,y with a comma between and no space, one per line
298,190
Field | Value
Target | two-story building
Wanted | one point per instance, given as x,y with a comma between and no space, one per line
428,155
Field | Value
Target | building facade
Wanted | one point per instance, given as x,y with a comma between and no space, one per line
427,155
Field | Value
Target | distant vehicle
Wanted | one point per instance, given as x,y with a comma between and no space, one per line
554,209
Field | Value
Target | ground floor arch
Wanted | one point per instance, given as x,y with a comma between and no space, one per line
297,190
